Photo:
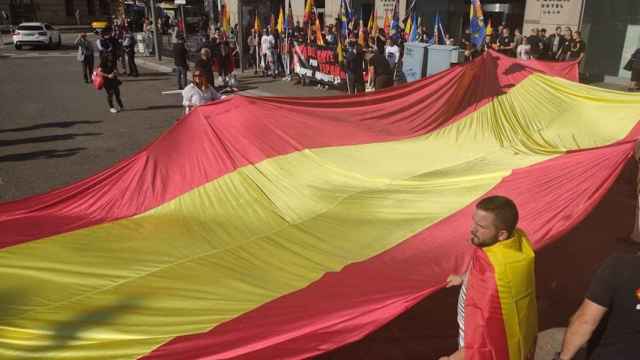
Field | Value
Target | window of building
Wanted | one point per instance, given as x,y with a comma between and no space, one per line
104,7
91,8
69,7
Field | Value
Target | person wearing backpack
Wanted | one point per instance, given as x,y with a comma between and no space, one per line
85,56
129,44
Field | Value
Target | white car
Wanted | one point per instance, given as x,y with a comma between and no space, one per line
36,33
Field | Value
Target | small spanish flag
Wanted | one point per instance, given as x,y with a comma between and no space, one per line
387,24
281,21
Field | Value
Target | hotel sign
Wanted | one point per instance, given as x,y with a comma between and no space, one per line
548,13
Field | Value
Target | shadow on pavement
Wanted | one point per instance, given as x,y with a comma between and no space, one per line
44,154
57,124
41,139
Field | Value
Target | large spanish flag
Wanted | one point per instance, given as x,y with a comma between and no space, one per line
281,228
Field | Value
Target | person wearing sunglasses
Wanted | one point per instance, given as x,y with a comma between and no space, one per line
198,92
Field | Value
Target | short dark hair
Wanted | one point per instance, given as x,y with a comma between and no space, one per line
504,210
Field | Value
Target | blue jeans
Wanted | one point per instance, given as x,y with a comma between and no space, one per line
181,74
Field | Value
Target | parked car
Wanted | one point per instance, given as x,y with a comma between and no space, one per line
36,34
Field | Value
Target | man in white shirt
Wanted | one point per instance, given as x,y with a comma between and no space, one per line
392,53
267,44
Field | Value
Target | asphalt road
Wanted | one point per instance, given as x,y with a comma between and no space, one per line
55,129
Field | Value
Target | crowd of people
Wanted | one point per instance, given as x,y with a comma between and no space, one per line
377,53
563,45
367,58
116,51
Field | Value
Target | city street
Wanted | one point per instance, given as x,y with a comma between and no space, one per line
55,129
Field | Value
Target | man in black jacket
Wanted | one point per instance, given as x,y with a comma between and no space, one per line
535,42
129,45
180,55
354,66
555,43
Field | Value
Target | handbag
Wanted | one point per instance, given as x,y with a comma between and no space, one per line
97,79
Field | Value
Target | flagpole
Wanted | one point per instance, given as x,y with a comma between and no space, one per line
257,36
240,37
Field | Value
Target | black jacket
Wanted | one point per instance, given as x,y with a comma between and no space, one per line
180,54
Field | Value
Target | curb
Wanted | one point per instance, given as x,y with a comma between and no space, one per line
154,66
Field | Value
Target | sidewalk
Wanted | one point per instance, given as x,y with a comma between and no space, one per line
73,28
250,84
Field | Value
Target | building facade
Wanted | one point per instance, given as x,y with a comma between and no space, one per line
57,12
612,32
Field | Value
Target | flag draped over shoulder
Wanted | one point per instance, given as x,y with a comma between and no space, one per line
501,282
281,228
476,23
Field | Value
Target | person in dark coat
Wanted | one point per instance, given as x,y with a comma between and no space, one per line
85,55
111,82
354,66
555,43
633,65
380,72
129,45
180,55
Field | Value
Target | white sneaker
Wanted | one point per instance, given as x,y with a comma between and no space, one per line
113,110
